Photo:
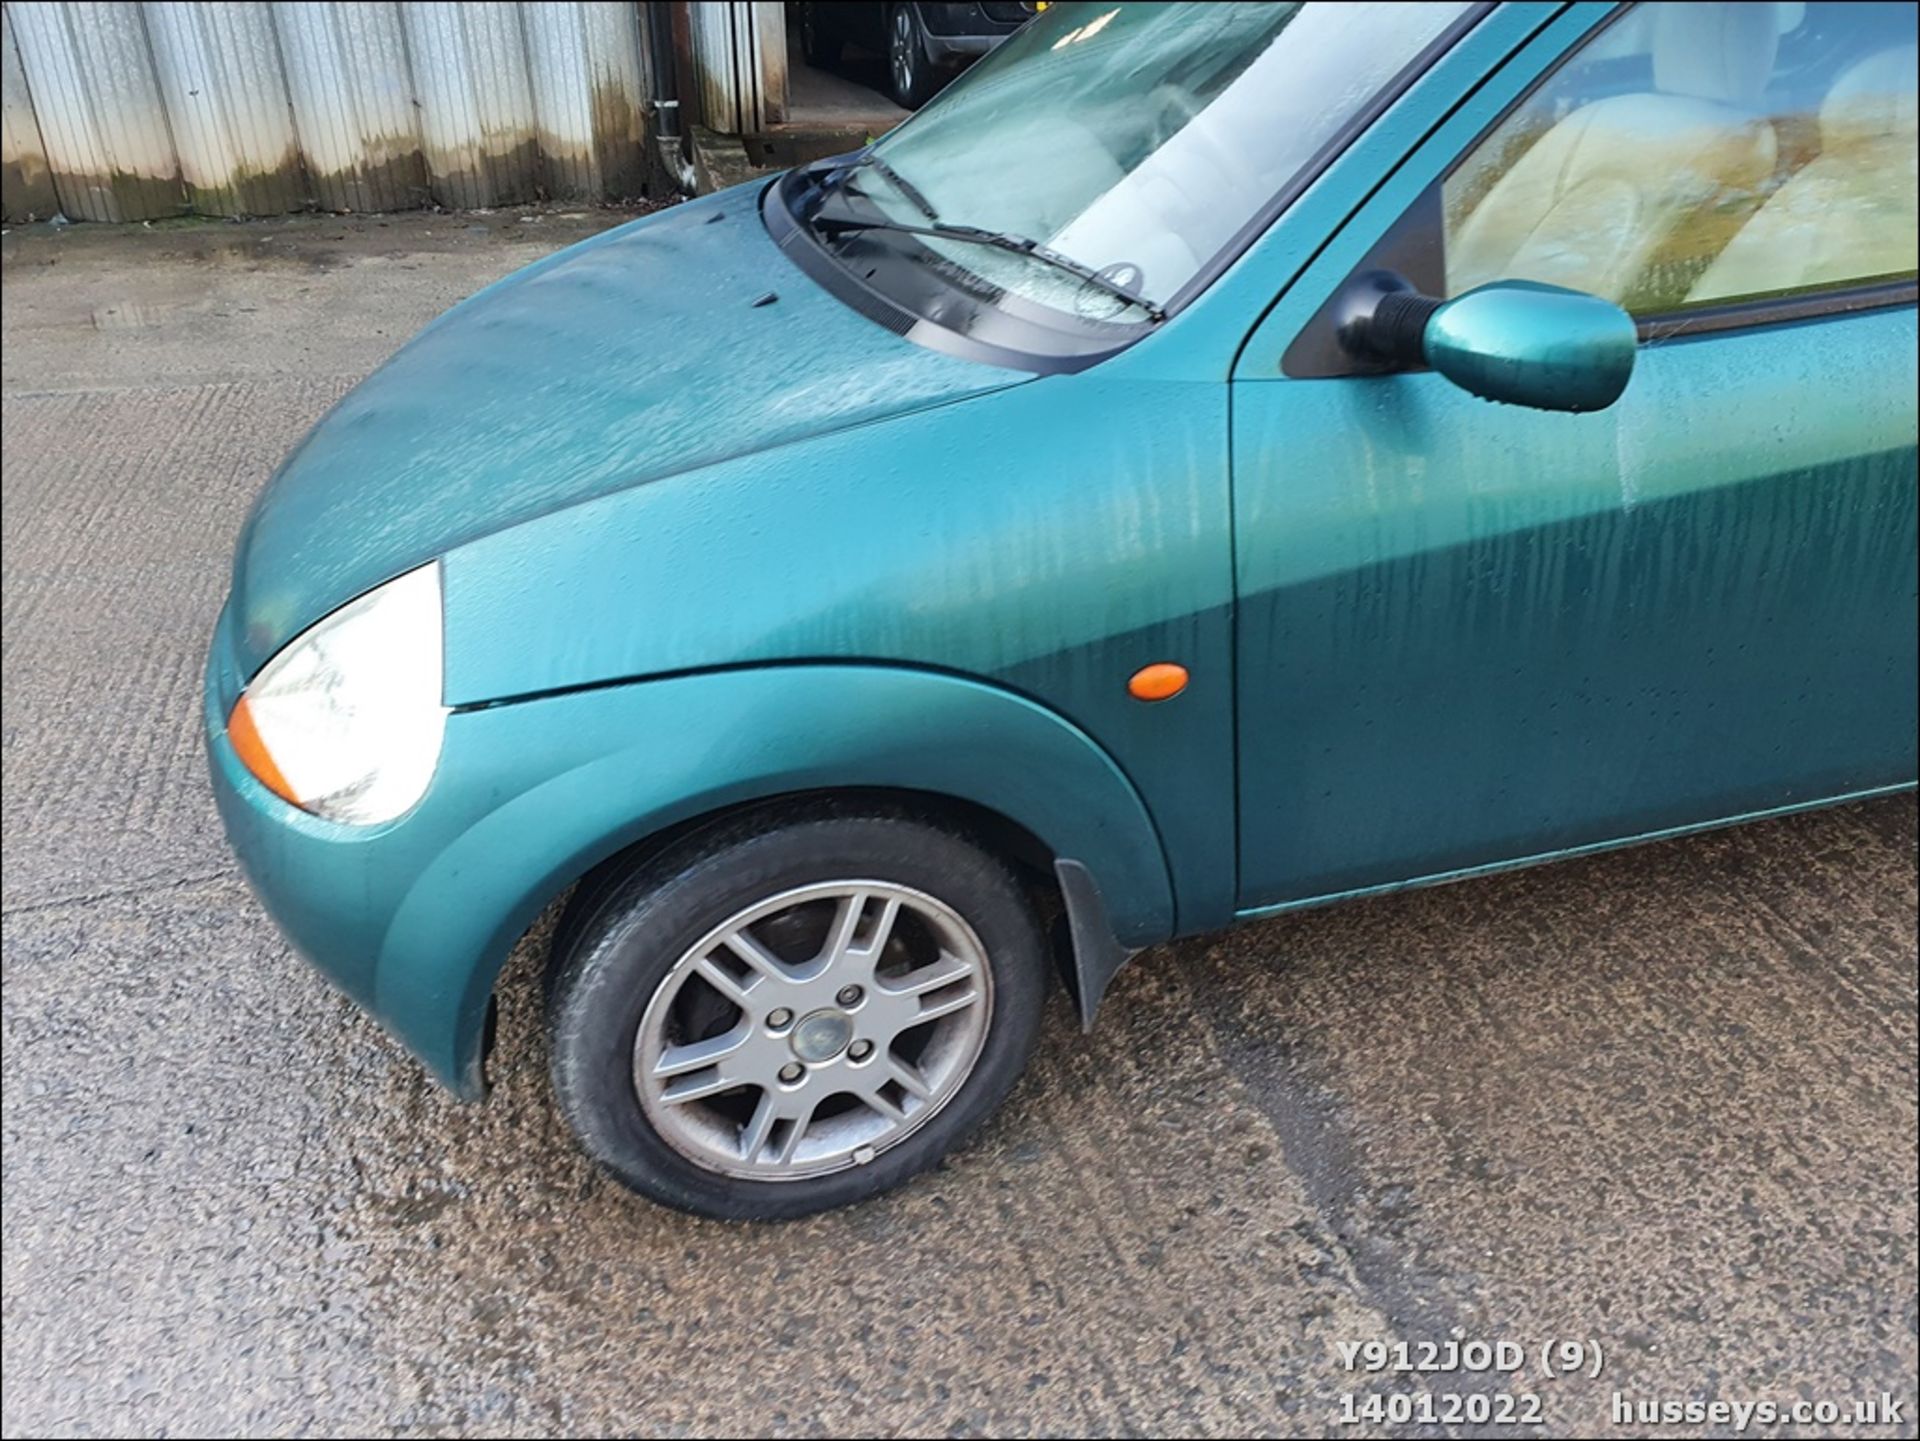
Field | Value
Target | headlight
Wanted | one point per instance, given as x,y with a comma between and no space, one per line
346,720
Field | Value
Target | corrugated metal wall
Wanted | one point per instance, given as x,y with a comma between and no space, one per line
739,62
25,180
117,110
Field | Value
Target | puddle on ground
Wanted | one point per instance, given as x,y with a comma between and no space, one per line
311,252
130,315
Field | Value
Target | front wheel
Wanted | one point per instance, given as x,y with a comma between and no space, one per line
791,1017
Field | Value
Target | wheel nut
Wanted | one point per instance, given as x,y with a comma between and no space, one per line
792,1072
780,1019
859,1050
849,996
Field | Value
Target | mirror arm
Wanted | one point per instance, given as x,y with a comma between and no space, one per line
1382,320
1399,325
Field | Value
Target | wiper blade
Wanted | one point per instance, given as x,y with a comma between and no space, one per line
900,182
999,240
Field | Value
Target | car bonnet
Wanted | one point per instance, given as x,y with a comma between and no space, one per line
665,345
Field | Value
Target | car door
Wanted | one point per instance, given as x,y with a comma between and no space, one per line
1472,634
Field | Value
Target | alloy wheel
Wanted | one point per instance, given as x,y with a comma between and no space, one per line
901,51
810,1031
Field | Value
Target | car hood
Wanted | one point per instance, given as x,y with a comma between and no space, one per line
654,349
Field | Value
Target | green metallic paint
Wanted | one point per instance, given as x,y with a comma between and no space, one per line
1052,539
699,552
650,350
414,919
1491,868
1522,343
1475,655
1471,635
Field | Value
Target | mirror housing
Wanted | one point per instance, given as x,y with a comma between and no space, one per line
1537,345
1514,341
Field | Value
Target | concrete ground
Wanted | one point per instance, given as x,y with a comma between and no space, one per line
1662,1100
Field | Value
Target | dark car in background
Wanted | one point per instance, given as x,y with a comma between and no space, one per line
925,45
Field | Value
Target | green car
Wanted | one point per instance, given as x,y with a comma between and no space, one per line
1211,461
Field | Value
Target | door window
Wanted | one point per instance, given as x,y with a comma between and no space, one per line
1698,154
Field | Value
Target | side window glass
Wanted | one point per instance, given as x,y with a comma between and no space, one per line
1700,153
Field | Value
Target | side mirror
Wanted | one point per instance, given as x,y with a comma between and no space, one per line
1513,341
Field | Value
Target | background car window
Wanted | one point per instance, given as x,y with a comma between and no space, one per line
1696,154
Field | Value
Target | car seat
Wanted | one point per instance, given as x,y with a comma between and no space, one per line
1630,197
1848,214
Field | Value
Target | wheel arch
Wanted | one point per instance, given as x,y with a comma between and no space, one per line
1085,952
657,760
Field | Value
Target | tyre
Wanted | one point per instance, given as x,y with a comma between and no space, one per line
910,77
787,1015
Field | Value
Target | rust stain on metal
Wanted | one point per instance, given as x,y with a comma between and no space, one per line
26,188
120,195
390,173
601,154
246,190
619,143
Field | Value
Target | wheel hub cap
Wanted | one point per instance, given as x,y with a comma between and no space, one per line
822,1036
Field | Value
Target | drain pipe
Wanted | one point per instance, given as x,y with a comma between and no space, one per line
669,134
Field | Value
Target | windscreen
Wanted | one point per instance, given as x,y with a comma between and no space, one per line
1139,139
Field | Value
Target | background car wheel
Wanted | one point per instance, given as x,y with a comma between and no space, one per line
783,1017
910,77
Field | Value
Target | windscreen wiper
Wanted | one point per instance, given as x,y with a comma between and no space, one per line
906,187
999,240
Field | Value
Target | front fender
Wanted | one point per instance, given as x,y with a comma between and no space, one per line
569,780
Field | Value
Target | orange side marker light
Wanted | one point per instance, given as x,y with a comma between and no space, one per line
1161,681
253,752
